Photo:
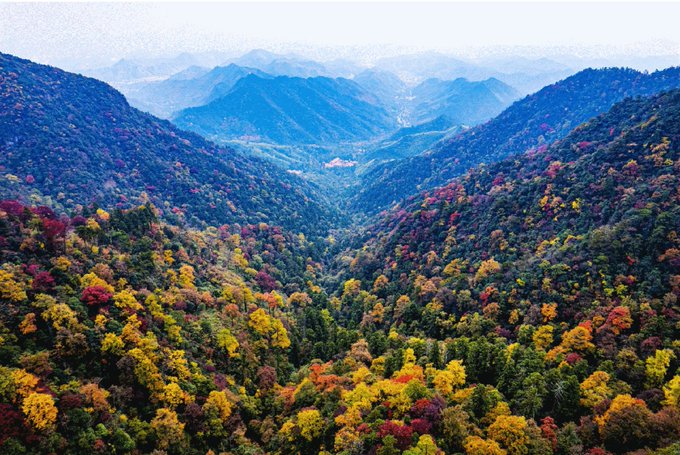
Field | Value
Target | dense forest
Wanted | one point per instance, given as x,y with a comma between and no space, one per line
536,120
527,306
69,140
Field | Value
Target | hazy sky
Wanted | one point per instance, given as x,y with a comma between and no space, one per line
85,32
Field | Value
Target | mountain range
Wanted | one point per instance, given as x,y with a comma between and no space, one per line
474,93
162,294
462,101
535,121
290,110
68,140
194,86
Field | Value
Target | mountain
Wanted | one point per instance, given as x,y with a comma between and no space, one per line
415,68
601,202
411,141
127,71
534,121
463,102
528,75
523,74
69,140
258,57
541,274
341,67
386,86
528,306
191,72
192,87
281,65
175,298
289,110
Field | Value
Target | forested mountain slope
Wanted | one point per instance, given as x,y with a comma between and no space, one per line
290,110
527,307
552,276
122,334
536,120
68,140
463,102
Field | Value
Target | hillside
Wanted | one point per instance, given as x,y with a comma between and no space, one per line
614,177
289,110
547,275
410,141
68,140
463,102
385,86
536,120
136,331
528,307
164,98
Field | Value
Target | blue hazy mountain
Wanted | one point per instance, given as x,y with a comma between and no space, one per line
281,65
415,68
128,71
289,110
412,140
386,86
462,101
194,86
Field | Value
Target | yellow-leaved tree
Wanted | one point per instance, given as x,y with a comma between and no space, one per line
671,392
310,423
452,377
40,411
10,289
657,366
169,431
510,432
594,389
228,342
279,335
474,445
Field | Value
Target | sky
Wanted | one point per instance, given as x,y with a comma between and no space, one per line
90,34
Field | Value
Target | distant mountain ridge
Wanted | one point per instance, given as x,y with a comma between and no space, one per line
464,102
386,86
536,120
411,141
188,89
290,110
281,65
128,71
66,139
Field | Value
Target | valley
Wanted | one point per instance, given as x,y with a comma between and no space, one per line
323,110
273,254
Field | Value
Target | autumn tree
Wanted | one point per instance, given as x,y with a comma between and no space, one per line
594,389
40,411
657,366
510,433
475,445
167,428
310,423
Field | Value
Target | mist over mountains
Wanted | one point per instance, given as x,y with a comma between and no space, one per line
270,254
306,114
